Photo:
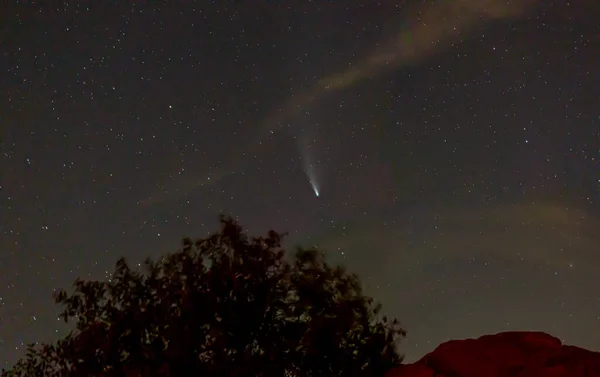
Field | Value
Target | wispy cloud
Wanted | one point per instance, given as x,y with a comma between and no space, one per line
427,30
545,233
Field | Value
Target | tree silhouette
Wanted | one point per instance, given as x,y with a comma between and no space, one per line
225,305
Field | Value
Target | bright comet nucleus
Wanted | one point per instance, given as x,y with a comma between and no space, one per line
315,189
312,179
308,165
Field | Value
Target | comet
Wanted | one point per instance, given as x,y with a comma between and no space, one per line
307,164
313,182
309,169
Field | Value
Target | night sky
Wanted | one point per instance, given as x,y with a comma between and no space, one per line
448,152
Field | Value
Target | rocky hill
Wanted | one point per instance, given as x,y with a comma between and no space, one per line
509,354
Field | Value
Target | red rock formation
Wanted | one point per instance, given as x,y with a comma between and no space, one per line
509,354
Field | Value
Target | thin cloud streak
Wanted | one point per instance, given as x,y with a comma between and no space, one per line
431,28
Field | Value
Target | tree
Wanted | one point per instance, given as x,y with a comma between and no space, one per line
225,305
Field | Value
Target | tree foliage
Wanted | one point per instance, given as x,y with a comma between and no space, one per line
225,305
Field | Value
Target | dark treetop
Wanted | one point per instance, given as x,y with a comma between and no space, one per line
225,305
